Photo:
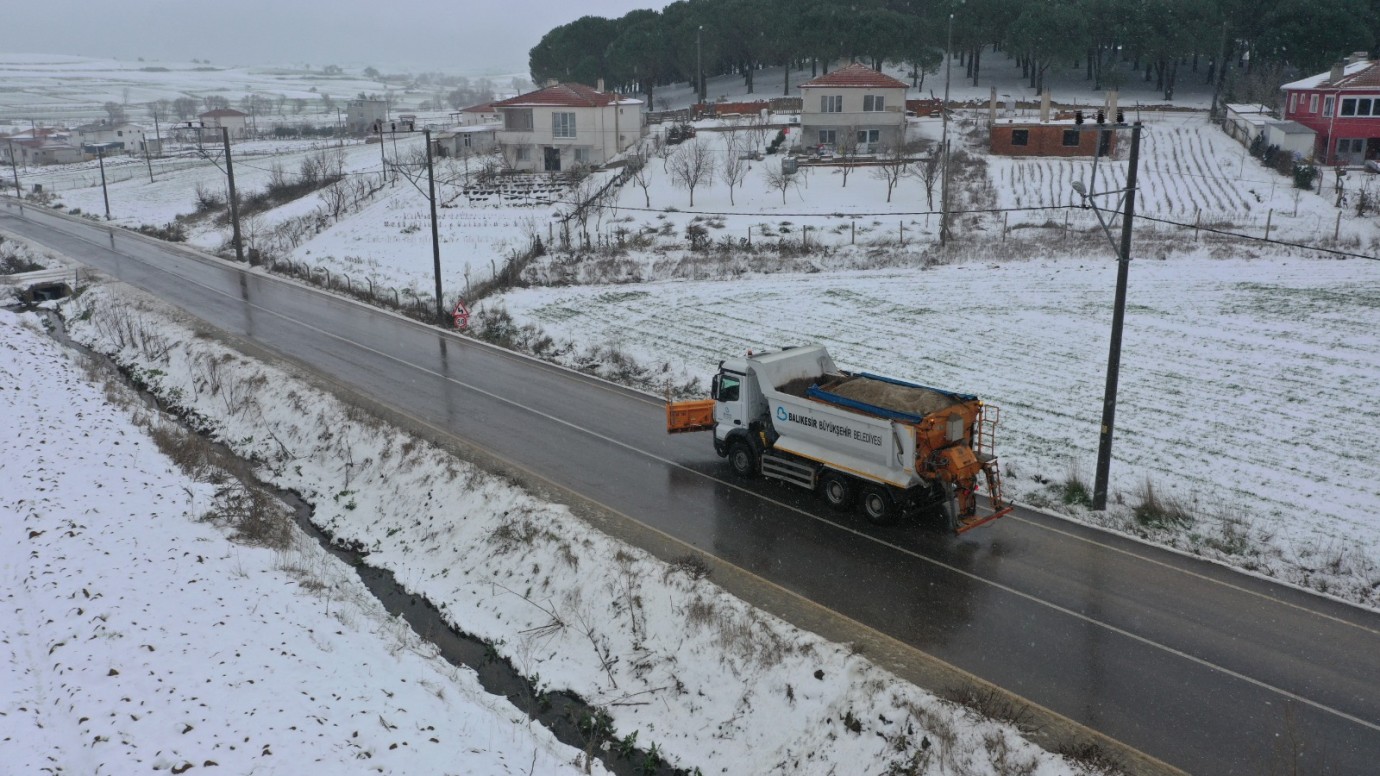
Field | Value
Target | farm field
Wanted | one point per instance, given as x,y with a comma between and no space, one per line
1243,392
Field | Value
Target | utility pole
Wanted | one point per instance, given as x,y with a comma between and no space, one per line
14,168
944,113
699,65
435,239
234,200
147,161
1104,448
1221,72
100,155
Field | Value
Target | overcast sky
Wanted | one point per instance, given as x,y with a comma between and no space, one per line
462,36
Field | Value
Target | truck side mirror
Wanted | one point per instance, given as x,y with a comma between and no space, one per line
714,387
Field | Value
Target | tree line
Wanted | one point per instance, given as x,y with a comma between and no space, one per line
645,49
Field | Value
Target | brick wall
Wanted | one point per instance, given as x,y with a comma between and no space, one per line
1045,140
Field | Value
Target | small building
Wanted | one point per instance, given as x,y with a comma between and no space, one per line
854,99
1053,138
1245,122
365,116
476,115
460,142
1342,107
567,125
237,122
1291,136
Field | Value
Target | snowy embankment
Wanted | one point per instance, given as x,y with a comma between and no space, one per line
139,638
648,642
1242,397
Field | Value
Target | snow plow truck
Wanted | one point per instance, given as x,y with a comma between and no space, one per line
889,447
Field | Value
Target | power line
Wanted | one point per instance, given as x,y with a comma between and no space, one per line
1239,235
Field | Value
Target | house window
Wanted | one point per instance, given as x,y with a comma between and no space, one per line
828,137
874,103
466,140
866,136
1351,145
1293,102
524,153
1072,137
519,120
1349,107
563,124
1328,104
1313,103
119,133
831,103
1020,137
1363,106
582,156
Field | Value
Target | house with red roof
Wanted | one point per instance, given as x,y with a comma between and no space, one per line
475,115
567,125
1343,107
855,99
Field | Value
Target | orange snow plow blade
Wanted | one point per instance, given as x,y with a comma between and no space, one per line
683,416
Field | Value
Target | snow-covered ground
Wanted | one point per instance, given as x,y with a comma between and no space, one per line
138,637
245,653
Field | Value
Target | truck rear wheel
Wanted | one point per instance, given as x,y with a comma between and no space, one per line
837,491
742,459
947,507
878,506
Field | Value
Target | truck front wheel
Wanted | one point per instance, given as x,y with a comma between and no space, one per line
742,459
837,491
878,506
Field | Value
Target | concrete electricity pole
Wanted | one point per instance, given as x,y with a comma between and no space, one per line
944,112
435,240
699,65
234,200
100,156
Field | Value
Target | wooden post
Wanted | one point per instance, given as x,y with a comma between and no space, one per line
1005,225
903,233
1197,219
1268,218
1337,230
853,233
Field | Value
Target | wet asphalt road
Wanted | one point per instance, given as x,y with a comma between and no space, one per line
1206,669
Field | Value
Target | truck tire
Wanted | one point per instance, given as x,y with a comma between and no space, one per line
742,459
837,490
878,506
947,507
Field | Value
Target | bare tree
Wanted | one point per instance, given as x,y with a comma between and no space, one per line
759,128
642,176
927,170
895,160
115,112
735,166
782,181
184,107
692,166
846,151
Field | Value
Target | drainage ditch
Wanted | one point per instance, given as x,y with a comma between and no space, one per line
569,717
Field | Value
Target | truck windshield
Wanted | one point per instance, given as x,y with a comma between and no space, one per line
728,387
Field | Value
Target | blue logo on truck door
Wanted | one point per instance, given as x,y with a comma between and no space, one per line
780,413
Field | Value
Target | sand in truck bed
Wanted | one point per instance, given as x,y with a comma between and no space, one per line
878,393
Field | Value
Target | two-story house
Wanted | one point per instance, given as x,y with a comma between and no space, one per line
1343,107
565,125
854,99
116,137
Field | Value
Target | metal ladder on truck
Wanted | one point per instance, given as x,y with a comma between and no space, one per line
985,447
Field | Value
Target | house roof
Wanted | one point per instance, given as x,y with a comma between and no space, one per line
857,76
1242,108
221,112
1356,75
564,96
1291,128
487,107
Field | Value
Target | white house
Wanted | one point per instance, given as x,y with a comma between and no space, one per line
1245,122
855,99
466,141
365,116
229,118
43,145
121,137
1291,136
565,125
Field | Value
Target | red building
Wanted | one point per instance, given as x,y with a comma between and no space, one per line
1061,138
1343,107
